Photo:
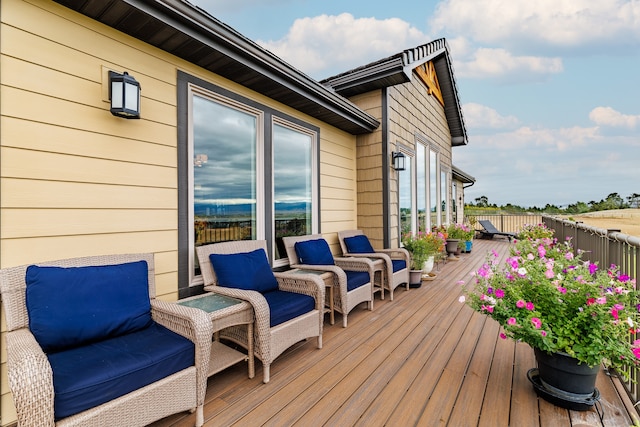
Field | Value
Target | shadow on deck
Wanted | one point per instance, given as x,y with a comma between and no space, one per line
423,359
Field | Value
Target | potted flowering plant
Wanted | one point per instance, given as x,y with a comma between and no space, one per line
545,295
423,248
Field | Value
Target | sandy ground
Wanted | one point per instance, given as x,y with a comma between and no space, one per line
627,220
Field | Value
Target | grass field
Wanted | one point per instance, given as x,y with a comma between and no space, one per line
626,220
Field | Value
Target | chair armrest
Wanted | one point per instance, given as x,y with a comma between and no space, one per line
398,253
303,284
262,330
30,379
193,324
354,263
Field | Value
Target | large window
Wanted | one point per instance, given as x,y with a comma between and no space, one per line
251,173
422,191
405,197
293,184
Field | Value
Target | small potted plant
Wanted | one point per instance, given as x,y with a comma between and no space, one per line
567,309
422,247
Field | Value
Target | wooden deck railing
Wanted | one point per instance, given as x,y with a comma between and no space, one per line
509,223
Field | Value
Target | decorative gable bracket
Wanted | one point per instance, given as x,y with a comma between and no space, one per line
427,73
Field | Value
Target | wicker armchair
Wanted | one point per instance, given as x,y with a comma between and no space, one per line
269,341
30,370
396,261
345,299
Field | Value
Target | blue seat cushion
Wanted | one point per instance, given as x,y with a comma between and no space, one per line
284,306
85,377
398,264
245,270
314,252
358,245
355,279
73,306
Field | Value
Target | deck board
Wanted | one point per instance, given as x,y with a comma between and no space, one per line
423,359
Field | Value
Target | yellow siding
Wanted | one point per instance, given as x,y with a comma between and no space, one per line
76,181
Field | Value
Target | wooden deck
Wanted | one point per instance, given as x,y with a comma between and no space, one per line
424,359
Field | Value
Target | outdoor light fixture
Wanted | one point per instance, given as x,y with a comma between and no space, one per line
398,161
124,92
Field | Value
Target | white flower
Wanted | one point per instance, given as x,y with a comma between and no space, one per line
522,271
462,299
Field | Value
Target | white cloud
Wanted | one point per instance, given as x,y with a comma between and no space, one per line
330,44
482,117
607,116
535,166
573,23
499,63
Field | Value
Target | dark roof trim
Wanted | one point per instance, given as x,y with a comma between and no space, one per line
190,33
462,176
398,69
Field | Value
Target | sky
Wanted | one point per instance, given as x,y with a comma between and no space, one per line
549,89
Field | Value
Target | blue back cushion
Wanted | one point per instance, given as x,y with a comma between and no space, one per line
398,264
314,252
358,245
285,306
85,377
246,270
74,306
355,279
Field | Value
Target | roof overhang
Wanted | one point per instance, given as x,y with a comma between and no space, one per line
398,69
190,33
461,176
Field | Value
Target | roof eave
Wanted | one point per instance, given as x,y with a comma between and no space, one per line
207,37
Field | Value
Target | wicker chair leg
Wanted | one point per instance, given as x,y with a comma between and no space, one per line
344,320
267,373
200,416
319,341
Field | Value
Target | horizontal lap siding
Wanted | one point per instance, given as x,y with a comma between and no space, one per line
77,181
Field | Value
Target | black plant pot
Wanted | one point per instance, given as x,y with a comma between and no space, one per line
561,380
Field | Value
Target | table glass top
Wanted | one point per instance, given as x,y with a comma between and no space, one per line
210,302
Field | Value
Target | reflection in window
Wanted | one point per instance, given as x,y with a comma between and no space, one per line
293,184
224,173
421,184
405,198
443,196
433,188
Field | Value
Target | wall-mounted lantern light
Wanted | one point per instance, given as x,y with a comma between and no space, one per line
398,161
124,92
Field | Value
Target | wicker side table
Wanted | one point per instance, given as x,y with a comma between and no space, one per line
224,312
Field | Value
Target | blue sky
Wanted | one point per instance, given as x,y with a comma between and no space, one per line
549,88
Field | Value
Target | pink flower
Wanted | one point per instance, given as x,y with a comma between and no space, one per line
530,306
504,337
562,290
543,333
542,251
520,304
499,293
614,313
568,255
592,268
537,323
549,274
601,300
511,321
